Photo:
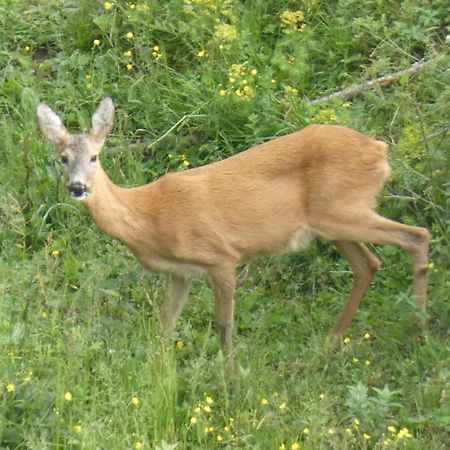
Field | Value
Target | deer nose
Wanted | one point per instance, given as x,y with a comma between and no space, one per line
78,190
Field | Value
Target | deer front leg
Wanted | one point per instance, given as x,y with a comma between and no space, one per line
223,283
174,301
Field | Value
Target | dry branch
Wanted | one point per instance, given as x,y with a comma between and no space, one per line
384,81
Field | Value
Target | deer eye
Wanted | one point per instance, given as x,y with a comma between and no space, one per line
64,159
94,158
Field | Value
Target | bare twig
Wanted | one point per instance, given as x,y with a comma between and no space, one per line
173,127
120,149
145,146
384,81
440,132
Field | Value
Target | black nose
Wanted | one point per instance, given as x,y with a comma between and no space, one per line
77,190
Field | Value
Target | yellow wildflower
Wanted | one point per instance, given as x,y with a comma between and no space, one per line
404,433
223,92
27,378
10,387
135,401
129,67
129,54
254,72
295,446
68,396
194,420
282,447
57,252
157,54
367,336
180,343
225,32
138,445
292,90
367,436
77,429
130,35
292,21
367,362
44,314
283,406
356,422
219,438
132,6
347,340
355,360
306,431
431,266
27,48
96,42
237,70
264,401
326,116
107,5
322,396
207,409
209,400
392,429
331,431
202,54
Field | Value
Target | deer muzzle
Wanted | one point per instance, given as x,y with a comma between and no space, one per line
78,190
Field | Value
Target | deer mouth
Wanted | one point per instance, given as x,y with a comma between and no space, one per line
78,191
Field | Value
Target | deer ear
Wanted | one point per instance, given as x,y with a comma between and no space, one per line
102,120
51,125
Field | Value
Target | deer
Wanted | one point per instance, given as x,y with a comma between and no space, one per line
322,181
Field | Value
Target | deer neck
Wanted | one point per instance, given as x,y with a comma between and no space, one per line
118,212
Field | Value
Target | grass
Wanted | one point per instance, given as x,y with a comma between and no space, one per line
81,363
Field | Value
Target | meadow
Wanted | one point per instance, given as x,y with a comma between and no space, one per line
195,81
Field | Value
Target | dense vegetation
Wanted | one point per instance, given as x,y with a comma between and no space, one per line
195,81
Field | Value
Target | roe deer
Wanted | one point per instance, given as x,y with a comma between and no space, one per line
322,180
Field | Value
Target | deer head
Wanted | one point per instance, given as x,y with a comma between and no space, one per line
79,152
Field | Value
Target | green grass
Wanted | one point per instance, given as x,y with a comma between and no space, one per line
78,314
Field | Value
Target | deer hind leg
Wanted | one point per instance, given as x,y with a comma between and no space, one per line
364,266
175,299
223,282
370,227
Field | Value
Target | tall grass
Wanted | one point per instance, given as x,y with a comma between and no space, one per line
81,361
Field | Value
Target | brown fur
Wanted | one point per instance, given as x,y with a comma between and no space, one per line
275,197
